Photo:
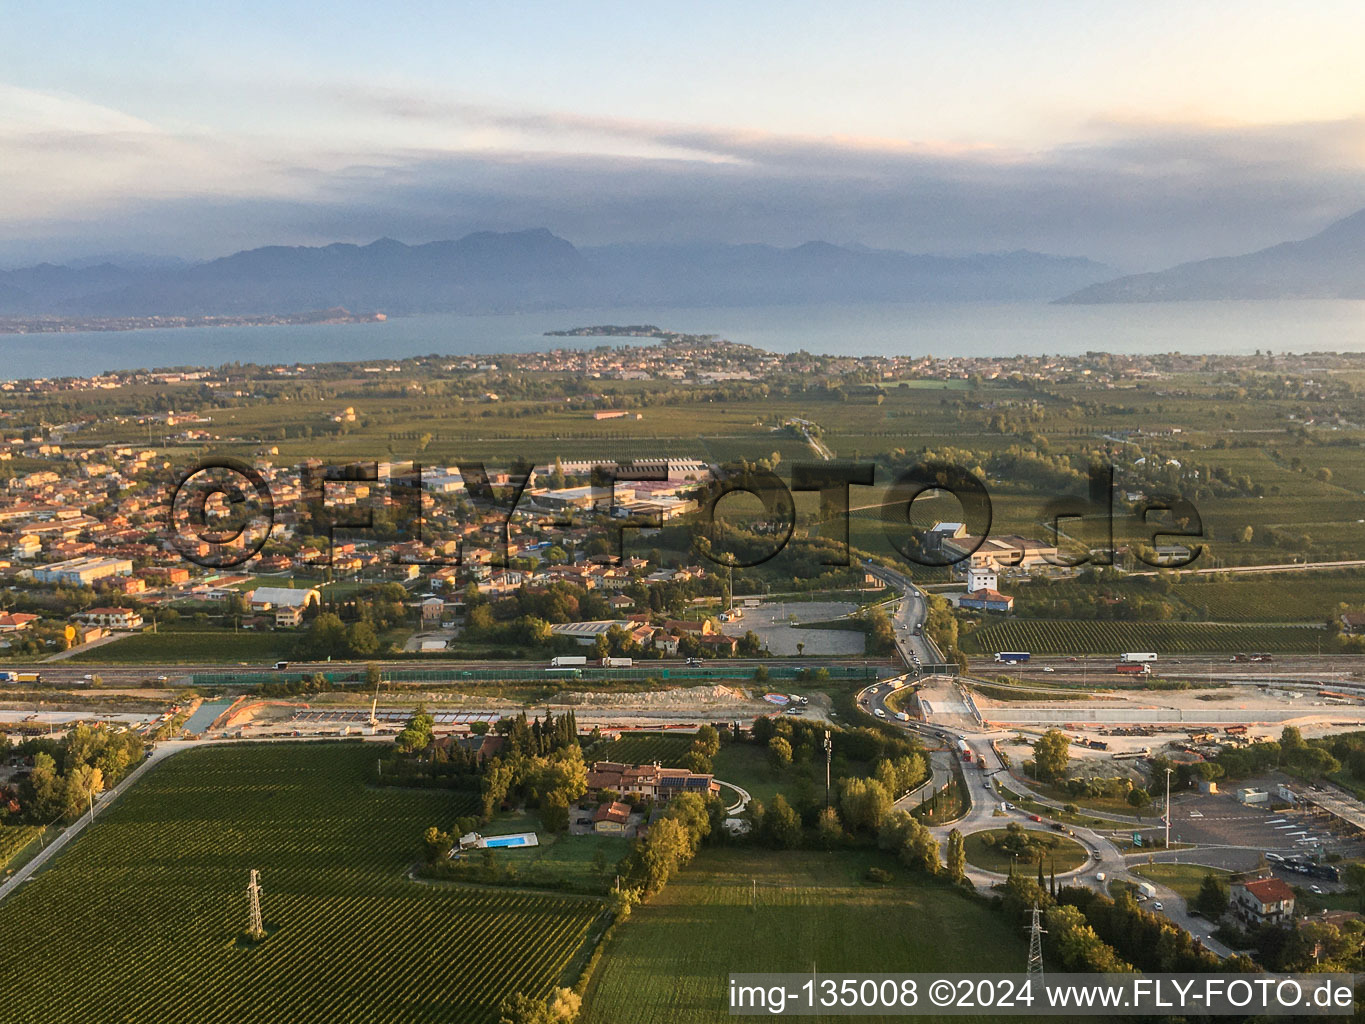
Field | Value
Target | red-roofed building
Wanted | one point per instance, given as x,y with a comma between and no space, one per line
14,622
1263,901
647,781
987,600
611,818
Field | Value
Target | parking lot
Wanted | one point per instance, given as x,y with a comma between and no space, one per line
1234,835
773,624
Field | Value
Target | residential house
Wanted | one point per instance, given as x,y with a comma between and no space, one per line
1263,901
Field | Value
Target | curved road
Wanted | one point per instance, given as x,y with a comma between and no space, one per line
987,810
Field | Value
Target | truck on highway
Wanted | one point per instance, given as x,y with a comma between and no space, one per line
1137,657
964,751
615,662
21,677
1011,657
565,660
1134,670
901,716
1147,889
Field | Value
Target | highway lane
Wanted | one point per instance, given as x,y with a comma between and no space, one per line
989,809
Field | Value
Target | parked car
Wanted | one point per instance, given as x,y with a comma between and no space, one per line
1315,888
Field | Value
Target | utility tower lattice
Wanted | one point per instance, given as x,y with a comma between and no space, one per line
255,928
1036,932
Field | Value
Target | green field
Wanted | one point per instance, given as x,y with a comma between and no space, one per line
175,646
15,839
1065,854
668,964
142,919
643,748
1062,636
1185,879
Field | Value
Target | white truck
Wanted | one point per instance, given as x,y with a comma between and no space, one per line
1137,657
617,662
1147,889
567,660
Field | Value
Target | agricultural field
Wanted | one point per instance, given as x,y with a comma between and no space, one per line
668,963
643,748
14,839
1067,636
176,646
151,904
1284,597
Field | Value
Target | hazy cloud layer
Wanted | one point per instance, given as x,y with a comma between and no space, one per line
78,178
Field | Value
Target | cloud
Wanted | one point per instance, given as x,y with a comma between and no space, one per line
1136,194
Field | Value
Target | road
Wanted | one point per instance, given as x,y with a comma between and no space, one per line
987,809
917,651
159,753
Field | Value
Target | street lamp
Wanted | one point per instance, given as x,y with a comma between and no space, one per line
1168,807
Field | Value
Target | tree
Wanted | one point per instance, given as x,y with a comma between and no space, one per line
920,850
864,802
696,761
1139,798
956,856
436,844
707,740
828,832
554,812
667,848
1051,753
361,639
780,752
522,1009
1212,899
564,1004
781,824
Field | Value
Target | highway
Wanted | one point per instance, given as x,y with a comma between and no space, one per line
917,651
987,809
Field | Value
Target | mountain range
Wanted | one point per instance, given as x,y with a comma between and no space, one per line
490,272
1329,265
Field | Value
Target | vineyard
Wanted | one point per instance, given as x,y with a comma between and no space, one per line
643,748
151,904
1069,636
744,910
14,839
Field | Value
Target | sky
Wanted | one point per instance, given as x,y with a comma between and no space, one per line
1136,134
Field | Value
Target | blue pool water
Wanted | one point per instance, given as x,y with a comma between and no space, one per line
495,841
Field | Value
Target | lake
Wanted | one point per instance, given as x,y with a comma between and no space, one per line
915,329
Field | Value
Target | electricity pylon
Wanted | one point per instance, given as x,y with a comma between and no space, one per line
1036,932
255,928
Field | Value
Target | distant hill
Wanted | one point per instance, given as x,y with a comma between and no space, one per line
1330,265
527,270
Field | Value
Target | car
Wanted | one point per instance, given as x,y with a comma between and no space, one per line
1315,889
1035,817
1048,668
876,689
1009,806
1057,826
1141,897
1156,905
1099,877
1073,659
881,713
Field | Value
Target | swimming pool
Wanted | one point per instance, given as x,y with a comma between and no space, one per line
519,839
